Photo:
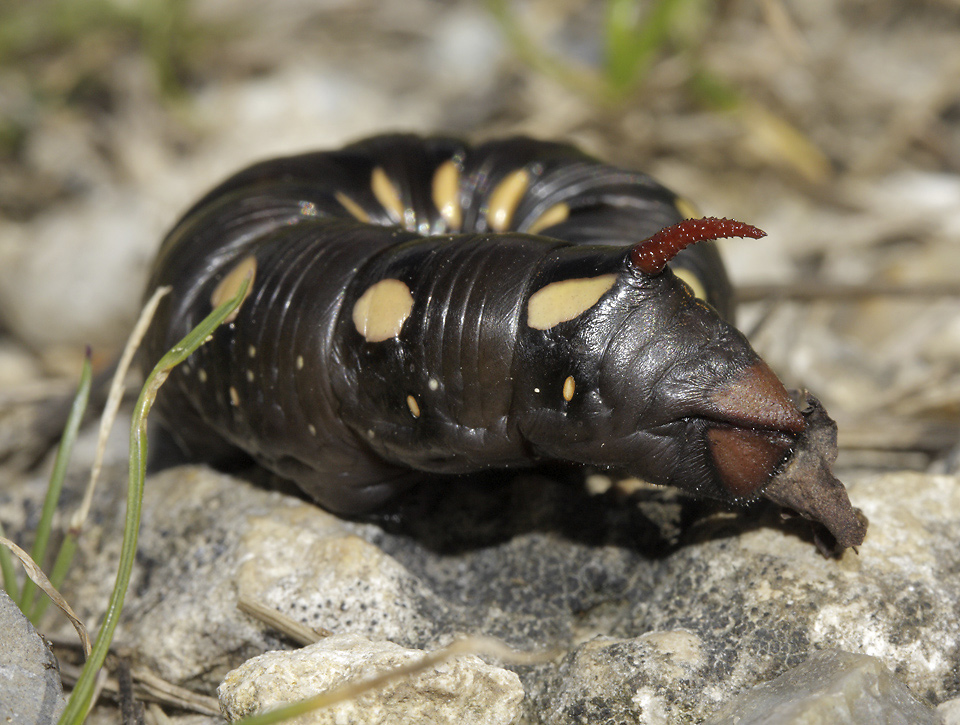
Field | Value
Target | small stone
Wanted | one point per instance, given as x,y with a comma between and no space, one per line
950,711
30,687
464,691
831,688
213,540
625,680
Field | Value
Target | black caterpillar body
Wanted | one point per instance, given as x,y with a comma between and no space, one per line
420,305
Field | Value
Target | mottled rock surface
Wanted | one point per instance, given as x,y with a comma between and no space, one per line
461,691
625,680
30,689
831,688
658,626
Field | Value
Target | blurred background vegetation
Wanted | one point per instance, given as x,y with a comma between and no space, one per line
833,124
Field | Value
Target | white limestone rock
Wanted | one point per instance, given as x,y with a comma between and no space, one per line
831,688
463,691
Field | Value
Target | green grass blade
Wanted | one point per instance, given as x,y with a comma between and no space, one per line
582,80
632,41
55,487
9,572
82,694
622,20
60,568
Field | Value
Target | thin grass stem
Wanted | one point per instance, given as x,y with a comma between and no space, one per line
42,539
82,695
10,584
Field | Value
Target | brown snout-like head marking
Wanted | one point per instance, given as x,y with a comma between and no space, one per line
758,425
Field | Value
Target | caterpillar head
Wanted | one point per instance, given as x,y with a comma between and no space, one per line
679,397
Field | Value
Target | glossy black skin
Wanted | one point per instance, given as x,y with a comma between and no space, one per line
645,358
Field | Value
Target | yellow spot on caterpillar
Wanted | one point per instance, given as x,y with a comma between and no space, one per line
299,362
634,485
696,286
566,299
554,215
414,406
505,198
687,208
597,484
249,376
313,431
433,384
370,433
446,194
387,194
252,351
381,311
202,375
228,287
569,387
234,396
355,210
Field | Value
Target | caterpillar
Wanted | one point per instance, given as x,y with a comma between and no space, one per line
420,306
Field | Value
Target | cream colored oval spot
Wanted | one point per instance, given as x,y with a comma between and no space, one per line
354,209
414,406
234,396
569,387
565,300
687,208
696,286
446,194
381,311
554,215
299,362
505,198
386,194
228,287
